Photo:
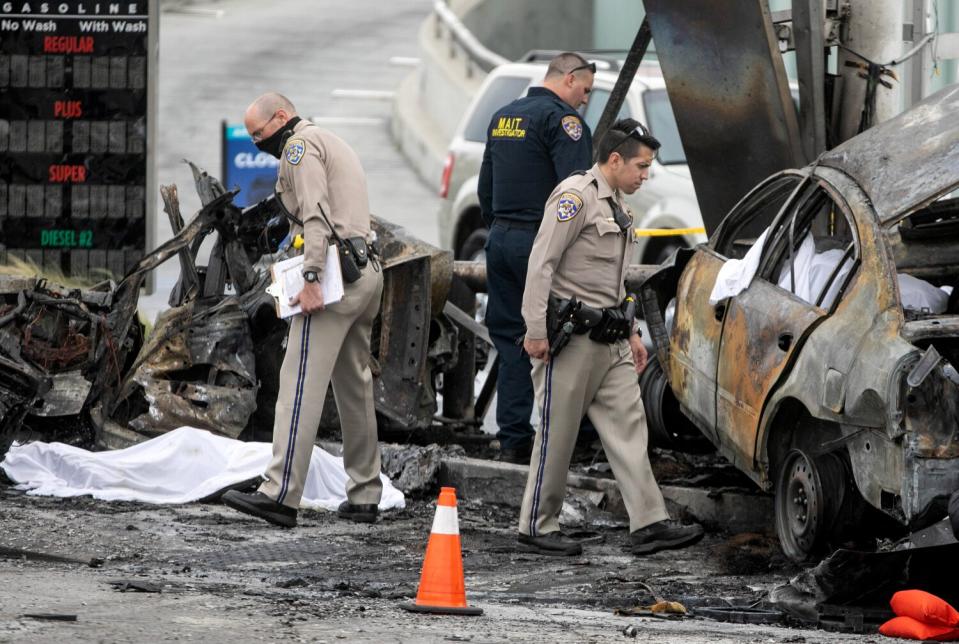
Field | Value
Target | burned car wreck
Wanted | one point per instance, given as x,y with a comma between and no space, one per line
75,367
62,349
830,379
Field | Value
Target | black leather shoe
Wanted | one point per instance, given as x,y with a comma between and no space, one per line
553,544
260,505
360,512
517,455
664,535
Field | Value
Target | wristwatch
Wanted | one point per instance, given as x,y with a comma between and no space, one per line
311,276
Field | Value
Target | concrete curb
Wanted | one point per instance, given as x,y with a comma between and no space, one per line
730,511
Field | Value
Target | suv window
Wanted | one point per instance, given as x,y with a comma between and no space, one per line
498,93
662,124
597,103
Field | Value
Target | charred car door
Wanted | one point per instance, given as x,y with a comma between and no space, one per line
764,326
694,341
694,344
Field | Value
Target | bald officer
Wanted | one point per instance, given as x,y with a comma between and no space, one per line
582,250
324,343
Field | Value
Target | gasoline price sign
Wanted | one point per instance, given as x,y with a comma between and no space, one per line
76,88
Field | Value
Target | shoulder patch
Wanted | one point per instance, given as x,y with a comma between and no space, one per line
295,149
570,203
573,127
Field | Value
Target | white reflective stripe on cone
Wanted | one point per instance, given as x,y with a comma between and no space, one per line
445,521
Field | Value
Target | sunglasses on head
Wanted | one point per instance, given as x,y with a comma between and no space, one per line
590,66
639,132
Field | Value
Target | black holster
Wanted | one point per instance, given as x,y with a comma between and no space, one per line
565,318
616,323
354,256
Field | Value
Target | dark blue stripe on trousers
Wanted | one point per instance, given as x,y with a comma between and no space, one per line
547,396
297,401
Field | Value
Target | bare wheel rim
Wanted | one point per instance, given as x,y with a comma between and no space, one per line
809,491
803,502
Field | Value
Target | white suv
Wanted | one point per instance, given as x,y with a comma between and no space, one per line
666,200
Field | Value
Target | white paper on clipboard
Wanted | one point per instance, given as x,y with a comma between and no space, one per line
288,281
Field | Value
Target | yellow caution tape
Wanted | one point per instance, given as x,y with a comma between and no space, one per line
668,232
298,242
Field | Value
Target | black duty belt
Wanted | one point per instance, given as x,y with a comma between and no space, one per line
565,318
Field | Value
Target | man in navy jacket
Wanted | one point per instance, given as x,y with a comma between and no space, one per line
532,144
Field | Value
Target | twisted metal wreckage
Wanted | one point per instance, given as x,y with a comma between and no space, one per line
74,365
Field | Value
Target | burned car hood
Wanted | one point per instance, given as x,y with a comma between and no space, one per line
907,161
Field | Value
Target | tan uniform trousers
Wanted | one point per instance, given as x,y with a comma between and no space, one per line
332,344
598,380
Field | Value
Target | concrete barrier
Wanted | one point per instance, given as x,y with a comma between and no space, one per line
725,510
430,101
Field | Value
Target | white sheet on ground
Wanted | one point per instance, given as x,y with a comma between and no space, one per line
181,466
812,271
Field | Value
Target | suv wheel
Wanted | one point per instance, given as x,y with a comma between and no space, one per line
659,250
472,249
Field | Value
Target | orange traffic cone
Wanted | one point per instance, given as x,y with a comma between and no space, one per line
442,589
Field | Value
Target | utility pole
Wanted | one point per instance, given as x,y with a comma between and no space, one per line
633,60
875,33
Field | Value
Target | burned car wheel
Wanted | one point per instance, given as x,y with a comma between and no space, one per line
668,427
808,493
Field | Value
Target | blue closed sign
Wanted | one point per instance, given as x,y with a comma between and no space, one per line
245,167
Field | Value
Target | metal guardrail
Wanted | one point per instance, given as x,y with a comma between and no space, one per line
462,40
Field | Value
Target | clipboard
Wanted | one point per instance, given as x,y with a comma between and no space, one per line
287,281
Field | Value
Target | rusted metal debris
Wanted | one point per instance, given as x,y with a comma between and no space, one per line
213,358
61,350
197,369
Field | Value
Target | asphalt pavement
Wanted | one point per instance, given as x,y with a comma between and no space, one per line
82,570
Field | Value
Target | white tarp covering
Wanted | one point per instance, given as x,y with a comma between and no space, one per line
735,275
181,466
812,271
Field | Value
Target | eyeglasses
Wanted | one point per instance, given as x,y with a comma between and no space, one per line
258,134
639,132
590,66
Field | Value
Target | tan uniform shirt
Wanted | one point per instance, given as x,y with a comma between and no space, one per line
579,250
319,167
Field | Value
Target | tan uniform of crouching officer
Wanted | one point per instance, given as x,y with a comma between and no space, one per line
589,365
318,169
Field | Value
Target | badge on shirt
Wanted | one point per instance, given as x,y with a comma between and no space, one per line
569,205
295,150
573,127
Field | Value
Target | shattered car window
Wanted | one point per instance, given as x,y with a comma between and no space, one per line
812,250
752,215
926,255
